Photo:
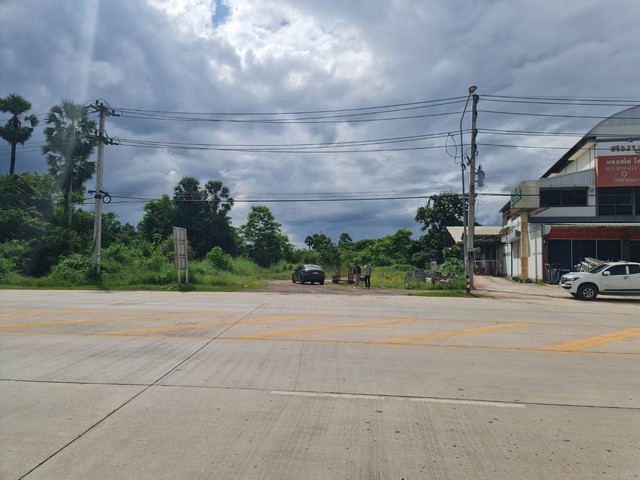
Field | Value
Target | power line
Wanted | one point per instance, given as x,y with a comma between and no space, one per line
548,115
384,108
575,101
377,109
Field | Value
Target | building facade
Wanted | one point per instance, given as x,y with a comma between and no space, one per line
586,205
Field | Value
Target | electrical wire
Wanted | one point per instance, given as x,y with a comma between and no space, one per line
338,112
363,114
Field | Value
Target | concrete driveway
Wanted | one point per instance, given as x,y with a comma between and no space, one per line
502,287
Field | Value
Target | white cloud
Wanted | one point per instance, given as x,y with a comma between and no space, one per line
188,17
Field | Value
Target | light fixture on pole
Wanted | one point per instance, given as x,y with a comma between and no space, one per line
472,90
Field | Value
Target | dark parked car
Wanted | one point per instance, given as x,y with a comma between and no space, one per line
308,273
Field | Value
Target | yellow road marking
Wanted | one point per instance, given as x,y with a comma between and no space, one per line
332,342
47,313
452,333
296,331
177,328
271,319
593,341
98,320
171,328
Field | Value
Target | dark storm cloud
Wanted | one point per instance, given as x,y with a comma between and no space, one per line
274,56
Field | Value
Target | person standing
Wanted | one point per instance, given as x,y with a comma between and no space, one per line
367,274
356,275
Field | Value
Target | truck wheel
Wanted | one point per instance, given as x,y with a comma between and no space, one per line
588,291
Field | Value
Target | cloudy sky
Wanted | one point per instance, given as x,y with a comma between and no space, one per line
340,116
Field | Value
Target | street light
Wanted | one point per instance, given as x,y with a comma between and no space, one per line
472,90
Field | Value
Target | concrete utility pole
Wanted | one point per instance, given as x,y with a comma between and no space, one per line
471,254
465,254
99,194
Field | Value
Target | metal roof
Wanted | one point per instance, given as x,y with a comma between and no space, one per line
457,233
609,127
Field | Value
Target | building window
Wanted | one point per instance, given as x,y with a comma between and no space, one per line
563,197
617,201
567,254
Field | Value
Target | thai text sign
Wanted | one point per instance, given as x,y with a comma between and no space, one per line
617,166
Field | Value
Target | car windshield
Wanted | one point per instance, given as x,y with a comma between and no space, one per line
313,267
599,268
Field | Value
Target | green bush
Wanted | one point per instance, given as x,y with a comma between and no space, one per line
219,259
17,253
452,266
74,270
6,267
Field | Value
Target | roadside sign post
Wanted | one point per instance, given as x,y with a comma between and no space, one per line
180,251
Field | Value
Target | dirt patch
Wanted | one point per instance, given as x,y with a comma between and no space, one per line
329,288
495,287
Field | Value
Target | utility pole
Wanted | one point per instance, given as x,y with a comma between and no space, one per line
472,192
99,194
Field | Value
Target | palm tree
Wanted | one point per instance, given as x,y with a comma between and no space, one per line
218,197
309,241
18,129
70,142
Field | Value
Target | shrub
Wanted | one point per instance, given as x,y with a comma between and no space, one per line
219,260
452,266
76,269
6,266
17,253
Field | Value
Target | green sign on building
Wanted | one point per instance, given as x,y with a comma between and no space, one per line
516,195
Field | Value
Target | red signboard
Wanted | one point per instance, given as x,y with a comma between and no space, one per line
618,171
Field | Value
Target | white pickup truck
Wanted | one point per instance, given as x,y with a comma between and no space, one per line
613,278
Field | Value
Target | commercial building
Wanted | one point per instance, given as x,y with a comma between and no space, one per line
586,205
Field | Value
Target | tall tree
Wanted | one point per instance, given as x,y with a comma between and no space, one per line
216,221
218,197
345,239
69,143
309,241
394,249
158,219
263,238
442,211
189,200
19,128
25,205
204,213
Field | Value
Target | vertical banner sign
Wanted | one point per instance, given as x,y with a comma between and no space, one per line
180,251
617,165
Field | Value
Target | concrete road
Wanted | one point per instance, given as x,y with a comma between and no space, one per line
268,386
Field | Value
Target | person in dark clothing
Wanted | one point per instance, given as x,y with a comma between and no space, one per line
367,274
